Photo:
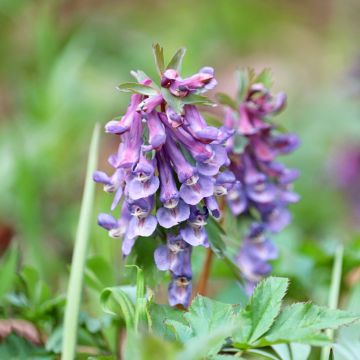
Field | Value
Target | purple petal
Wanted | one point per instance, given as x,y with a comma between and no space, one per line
193,194
168,218
262,192
127,245
212,166
142,189
115,127
102,178
107,221
213,207
142,227
161,257
194,236
117,198
156,128
179,292
236,199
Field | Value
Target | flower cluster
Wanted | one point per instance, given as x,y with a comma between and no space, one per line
263,186
344,172
166,171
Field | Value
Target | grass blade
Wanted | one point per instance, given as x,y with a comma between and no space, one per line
79,255
334,293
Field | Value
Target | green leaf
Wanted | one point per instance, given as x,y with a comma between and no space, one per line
302,323
205,315
119,301
265,78
144,346
139,75
215,233
136,88
176,62
225,99
263,353
195,99
244,78
8,271
173,101
300,351
182,332
264,306
98,273
159,58
75,285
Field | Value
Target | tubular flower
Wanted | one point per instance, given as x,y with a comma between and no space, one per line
165,171
262,190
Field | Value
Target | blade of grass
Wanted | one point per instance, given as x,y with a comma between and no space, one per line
79,255
334,293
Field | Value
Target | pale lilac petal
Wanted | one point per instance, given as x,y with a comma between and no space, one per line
194,236
193,194
117,198
212,166
102,178
139,189
161,257
170,217
107,221
127,245
142,227
179,292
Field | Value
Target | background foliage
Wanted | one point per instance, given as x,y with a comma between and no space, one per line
59,64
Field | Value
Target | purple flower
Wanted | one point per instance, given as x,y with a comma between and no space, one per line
254,255
123,125
175,257
166,169
194,233
144,182
202,81
263,187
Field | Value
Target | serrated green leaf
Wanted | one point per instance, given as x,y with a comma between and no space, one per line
225,99
176,61
135,88
260,313
205,314
173,101
161,313
265,78
182,332
302,323
205,345
195,99
159,58
283,351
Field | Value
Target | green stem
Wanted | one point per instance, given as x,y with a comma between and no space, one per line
72,309
334,294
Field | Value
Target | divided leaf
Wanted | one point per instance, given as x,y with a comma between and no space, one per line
135,88
195,99
173,101
159,58
260,313
303,322
265,78
225,99
176,61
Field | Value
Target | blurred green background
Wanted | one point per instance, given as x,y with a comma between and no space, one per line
60,62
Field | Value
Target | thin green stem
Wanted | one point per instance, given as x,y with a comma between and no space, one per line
72,309
334,294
